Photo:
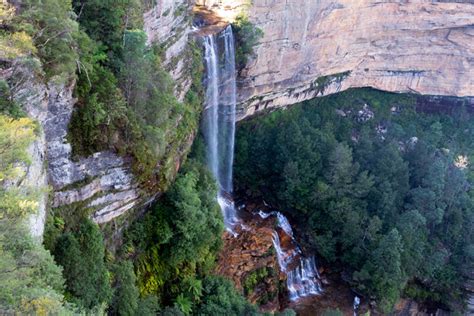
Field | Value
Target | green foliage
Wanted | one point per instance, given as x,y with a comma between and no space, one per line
126,297
13,43
148,306
175,247
388,207
137,114
332,312
177,241
7,105
15,137
254,278
106,21
382,275
54,33
184,304
221,298
30,282
171,311
247,36
81,253
286,312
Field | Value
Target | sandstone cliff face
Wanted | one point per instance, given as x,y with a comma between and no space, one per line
102,182
423,47
168,24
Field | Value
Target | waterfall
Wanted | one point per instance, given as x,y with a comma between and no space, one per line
219,117
303,278
219,133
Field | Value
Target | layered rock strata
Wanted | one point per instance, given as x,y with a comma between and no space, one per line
102,182
313,48
168,24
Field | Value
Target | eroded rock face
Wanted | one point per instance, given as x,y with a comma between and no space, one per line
103,181
168,24
423,47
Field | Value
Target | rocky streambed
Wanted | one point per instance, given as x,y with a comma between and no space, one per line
265,262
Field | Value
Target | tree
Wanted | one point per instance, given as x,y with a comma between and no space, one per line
82,256
15,137
196,219
54,32
126,296
382,274
412,228
221,298
247,36
30,281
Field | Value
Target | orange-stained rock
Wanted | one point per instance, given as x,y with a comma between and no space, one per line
251,250
425,47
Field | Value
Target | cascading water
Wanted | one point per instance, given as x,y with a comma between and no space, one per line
219,117
219,132
302,274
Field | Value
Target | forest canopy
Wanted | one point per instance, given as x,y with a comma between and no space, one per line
378,188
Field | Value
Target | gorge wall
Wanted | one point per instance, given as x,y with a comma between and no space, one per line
312,48
102,182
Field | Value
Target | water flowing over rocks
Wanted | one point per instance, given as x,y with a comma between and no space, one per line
219,116
253,249
302,276
248,251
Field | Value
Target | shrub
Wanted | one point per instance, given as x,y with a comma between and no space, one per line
247,36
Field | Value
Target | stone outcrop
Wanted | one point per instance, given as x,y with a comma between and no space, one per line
102,182
168,24
424,47
245,254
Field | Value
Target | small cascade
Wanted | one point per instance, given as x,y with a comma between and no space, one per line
219,116
303,278
356,305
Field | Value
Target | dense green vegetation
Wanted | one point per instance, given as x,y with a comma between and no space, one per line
175,244
126,98
81,254
388,198
31,282
246,37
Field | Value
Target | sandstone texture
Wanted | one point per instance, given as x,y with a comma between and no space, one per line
102,182
168,24
96,181
248,252
424,47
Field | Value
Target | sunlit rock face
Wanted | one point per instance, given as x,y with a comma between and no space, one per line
226,9
416,46
167,23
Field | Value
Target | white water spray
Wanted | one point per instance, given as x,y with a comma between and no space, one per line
303,278
219,117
